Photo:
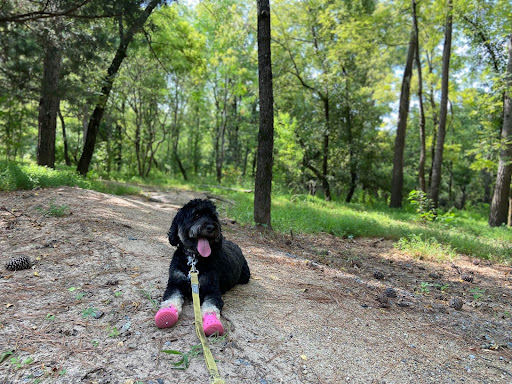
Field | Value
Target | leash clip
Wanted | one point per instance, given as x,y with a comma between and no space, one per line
192,261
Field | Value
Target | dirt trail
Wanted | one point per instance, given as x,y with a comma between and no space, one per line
84,313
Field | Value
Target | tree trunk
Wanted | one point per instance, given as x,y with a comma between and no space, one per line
325,182
244,165
443,111
500,199
108,81
423,151
64,138
403,111
509,221
220,152
351,159
263,182
49,105
119,147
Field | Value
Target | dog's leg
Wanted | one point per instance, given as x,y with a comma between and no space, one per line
170,309
176,288
175,300
172,302
245,275
211,305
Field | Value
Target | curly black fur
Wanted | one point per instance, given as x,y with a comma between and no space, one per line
225,267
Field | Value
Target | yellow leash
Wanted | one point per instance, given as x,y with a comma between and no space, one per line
208,357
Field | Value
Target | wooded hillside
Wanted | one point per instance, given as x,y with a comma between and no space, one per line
372,99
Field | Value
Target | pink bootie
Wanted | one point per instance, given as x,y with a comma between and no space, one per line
166,317
212,325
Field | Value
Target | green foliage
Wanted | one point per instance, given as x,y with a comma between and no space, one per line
5,355
477,293
469,234
14,176
55,210
424,288
426,248
441,287
425,210
113,332
147,294
184,105
184,361
89,312
423,205
19,363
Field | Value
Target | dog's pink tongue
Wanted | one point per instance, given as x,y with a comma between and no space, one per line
203,247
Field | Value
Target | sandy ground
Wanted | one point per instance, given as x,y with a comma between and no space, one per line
313,312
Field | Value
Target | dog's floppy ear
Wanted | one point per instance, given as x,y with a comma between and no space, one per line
174,239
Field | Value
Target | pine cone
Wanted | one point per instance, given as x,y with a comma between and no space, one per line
456,303
390,292
18,263
383,300
378,275
467,277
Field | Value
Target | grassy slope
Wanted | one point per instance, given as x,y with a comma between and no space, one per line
468,233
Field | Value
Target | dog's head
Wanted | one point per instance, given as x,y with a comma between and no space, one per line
196,226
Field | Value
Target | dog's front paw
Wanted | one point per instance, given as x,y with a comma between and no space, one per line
166,317
212,325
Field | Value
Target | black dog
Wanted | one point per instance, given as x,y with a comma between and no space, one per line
196,230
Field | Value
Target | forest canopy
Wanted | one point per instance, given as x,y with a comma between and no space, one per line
171,89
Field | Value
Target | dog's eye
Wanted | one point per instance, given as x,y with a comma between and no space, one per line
197,215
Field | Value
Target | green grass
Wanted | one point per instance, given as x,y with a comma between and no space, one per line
55,210
423,248
15,176
468,233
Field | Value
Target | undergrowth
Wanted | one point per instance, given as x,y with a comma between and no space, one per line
426,248
15,176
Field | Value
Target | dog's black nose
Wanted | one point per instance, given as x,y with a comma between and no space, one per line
210,228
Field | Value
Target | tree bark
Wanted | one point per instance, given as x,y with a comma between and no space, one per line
65,139
423,151
119,147
351,158
108,81
49,105
263,182
500,199
325,181
403,111
443,110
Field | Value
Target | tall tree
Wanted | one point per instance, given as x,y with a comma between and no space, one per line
403,111
500,200
443,108
64,138
95,120
49,102
421,167
263,183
